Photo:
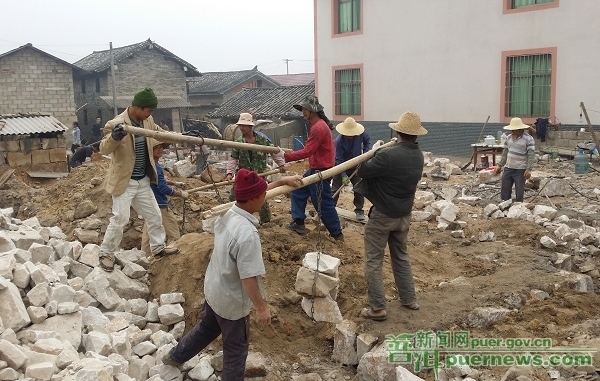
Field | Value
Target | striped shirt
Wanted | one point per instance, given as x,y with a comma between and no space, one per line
518,151
141,156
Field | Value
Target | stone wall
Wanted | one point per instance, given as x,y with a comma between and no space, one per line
33,82
568,140
44,154
144,69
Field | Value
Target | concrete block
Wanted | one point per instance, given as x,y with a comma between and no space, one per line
16,159
40,157
13,313
57,155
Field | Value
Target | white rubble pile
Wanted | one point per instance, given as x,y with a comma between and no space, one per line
63,318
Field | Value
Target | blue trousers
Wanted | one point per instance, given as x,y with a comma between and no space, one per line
513,176
328,216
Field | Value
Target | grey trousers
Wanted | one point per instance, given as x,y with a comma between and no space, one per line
380,231
513,176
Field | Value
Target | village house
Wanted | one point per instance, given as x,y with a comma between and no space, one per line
209,91
455,63
33,81
272,110
145,64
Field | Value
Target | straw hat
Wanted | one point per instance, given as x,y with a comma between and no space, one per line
245,119
350,128
516,124
410,124
154,143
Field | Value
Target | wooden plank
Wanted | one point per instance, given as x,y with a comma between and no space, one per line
6,175
48,175
350,216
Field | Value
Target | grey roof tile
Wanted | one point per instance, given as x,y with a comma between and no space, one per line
100,61
220,82
294,79
265,103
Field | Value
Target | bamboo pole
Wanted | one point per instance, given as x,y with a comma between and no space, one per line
587,118
170,137
221,209
228,182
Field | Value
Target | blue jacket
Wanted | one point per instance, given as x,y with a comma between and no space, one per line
346,149
162,189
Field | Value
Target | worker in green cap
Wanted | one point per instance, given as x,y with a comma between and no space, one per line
130,173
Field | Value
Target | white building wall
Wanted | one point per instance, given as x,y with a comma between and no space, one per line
442,58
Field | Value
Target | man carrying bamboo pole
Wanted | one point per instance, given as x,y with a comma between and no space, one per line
251,160
389,181
320,152
129,176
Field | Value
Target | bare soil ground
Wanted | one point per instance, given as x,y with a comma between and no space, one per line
494,272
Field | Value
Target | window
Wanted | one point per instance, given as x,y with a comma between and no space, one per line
528,85
83,85
85,118
347,92
259,83
98,85
525,3
348,15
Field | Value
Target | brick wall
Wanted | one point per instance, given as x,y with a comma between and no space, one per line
33,82
36,152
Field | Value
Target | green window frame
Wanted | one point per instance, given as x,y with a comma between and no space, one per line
347,92
348,12
526,3
529,86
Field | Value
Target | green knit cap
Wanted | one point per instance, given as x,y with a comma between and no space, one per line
145,98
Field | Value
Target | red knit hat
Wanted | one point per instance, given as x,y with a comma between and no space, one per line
248,185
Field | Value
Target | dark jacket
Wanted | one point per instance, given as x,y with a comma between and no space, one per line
390,178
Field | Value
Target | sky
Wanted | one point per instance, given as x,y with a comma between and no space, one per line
212,35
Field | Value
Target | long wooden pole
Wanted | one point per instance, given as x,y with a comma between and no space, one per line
221,209
587,118
228,182
170,137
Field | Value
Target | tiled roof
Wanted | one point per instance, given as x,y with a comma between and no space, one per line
100,61
294,79
30,46
163,101
25,124
220,82
265,103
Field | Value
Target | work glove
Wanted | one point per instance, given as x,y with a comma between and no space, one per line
205,150
377,145
184,194
118,133
279,155
345,181
179,184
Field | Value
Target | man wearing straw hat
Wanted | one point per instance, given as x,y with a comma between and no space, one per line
389,181
518,158
162,190
351,142
129,175
319,150
251,160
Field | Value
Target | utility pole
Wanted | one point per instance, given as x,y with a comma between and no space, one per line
287,66
114,85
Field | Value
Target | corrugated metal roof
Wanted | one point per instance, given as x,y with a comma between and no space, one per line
100,61
265,103
220,82
163,101
25,124
294,79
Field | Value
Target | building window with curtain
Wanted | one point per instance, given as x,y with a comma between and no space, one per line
528,85
348,15
347,92
525,3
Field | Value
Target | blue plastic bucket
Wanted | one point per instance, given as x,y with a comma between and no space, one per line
298,143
